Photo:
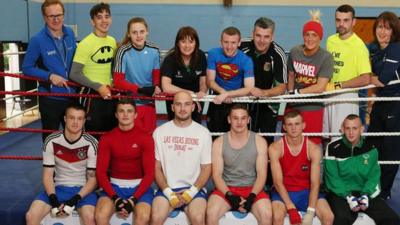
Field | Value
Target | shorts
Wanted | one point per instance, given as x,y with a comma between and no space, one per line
242,192
64,193
127,192
299,198
201,194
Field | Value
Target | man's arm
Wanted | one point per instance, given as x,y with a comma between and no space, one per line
103,163
315,156
218,165
275,152
261,165
360,81
77,75
29,66
319,87
275,91
205,173
91,183
332,178
48,180
159,176
148,162
248,85
371,186
291,77
211,74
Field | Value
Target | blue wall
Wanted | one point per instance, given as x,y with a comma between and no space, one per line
164,20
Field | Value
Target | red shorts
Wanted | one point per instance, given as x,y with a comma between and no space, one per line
313,120
146,118
242,192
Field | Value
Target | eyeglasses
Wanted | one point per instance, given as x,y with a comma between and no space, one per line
55,17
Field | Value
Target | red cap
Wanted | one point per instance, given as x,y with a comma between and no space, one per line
314,26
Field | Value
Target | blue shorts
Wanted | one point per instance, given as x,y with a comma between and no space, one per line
64,193
201,194
299,198
126,193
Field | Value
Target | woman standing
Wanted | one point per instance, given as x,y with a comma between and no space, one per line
385,116
137,69
184,69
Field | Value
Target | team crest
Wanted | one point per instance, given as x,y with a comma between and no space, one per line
366,157
304,168
267,66
82,154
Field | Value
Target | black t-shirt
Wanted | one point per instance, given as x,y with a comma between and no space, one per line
182,76
270,68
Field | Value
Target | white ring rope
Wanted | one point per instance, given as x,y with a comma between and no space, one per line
367,134
294,98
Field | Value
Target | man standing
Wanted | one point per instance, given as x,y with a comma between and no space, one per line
239,161
183,164
351,67
352,176
49,57
125,169
270,74
295,165
69,177
229,74
92,68
310,68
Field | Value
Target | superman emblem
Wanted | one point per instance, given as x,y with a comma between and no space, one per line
227,71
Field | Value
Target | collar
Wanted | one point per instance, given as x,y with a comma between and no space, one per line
64,30
349,145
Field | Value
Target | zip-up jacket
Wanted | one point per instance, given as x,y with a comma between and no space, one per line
386,65
349,170
42,58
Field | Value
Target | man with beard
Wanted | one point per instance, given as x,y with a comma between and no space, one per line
351,67
183,164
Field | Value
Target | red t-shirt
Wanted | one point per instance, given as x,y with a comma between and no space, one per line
126,155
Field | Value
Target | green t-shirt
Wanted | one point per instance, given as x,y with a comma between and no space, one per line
96,54
351,57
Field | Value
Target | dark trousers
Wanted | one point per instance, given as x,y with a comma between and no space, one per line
100,113
385,117
263,120
52,113
196,115
217,120
378,210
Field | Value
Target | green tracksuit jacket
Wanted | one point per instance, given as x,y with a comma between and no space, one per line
349,170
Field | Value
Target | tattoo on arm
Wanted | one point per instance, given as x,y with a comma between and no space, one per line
90,174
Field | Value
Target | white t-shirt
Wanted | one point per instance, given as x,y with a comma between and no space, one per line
70,159
181,152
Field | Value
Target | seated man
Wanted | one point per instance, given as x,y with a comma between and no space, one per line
295,165
183,164
125,169
352,176
69,178
239,161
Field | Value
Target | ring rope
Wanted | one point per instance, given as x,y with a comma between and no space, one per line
247,99
17,157
370,134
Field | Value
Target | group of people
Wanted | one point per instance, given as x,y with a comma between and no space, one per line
181,158
129,160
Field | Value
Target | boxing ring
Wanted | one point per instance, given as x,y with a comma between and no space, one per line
21,166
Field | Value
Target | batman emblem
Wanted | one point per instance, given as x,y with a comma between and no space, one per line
103,55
